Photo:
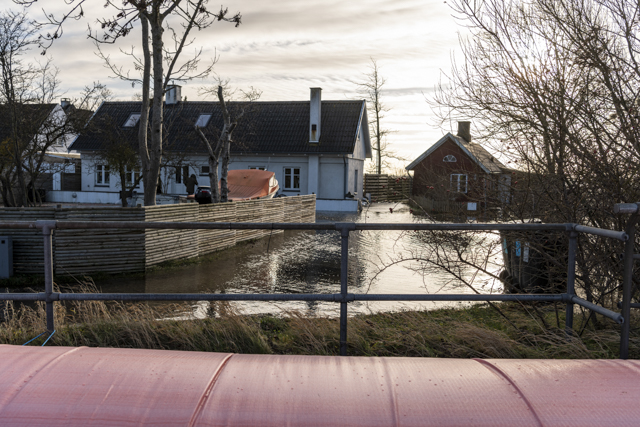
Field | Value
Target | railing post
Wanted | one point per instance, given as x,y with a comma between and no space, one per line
627,285
47,227
571,281
344,228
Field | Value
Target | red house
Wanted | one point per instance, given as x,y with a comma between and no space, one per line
454,168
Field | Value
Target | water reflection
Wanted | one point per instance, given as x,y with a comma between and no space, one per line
307,262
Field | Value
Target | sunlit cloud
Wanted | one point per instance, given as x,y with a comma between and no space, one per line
286,47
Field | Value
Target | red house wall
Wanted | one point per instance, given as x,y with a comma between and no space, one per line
434,171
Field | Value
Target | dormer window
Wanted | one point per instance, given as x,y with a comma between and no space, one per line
132,120
203,120
450,158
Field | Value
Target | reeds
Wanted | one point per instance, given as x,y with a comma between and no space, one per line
469,332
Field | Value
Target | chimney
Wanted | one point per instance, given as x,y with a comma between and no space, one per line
173,95
314,115
64,103
464,130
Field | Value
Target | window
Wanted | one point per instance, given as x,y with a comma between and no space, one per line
459,182
102,175
203,120
132,120
204,170
450,158
260,168
355,182
182,173
292,179
131,176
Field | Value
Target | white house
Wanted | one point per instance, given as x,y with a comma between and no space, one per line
312,146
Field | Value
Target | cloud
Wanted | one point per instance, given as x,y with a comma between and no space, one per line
288,46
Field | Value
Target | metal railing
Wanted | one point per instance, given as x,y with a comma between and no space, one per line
343,297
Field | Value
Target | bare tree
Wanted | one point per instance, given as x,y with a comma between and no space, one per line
553,85
219,145
28,126
158,64
92,96
372,88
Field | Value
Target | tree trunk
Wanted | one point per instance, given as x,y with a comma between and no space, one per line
155,143
224,185
213,179
144,109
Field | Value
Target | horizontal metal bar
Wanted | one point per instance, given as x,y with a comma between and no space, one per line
18,224
458,297
279,297
195,225
620,235
464,227
632,305
200,297
616,317
625,208
40,296
284,226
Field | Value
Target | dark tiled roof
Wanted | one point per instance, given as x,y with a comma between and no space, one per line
266,127
32,116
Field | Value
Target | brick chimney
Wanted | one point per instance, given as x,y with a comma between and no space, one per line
314,115
464,131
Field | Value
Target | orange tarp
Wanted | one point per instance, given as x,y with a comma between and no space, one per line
246,184
63,386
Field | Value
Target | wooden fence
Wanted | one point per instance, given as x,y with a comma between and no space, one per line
386,188
126,250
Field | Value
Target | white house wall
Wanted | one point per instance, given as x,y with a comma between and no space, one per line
88,177
330,185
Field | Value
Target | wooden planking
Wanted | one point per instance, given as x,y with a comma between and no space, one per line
127,250
105,250
28,247
215,240
166,245
385,188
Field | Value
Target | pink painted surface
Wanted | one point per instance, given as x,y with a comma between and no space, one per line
60,386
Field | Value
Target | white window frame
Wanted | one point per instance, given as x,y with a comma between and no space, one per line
102,175
203,120
131,176
450,158
289,171
457,181
133,120
204,170
260,168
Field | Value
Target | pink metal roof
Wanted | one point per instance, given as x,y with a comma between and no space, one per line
61,386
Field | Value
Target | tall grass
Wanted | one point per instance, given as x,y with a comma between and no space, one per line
470,332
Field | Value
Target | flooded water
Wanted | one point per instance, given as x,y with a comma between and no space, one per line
309,262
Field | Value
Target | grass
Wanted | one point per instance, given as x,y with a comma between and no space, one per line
478,331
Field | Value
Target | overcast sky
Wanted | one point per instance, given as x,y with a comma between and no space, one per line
285,47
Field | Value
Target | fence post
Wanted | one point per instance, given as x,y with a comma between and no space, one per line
571,281
47,227
345,228
627,285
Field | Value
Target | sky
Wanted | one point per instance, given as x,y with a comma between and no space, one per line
287,46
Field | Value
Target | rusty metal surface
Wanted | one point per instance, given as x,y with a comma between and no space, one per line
62,386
